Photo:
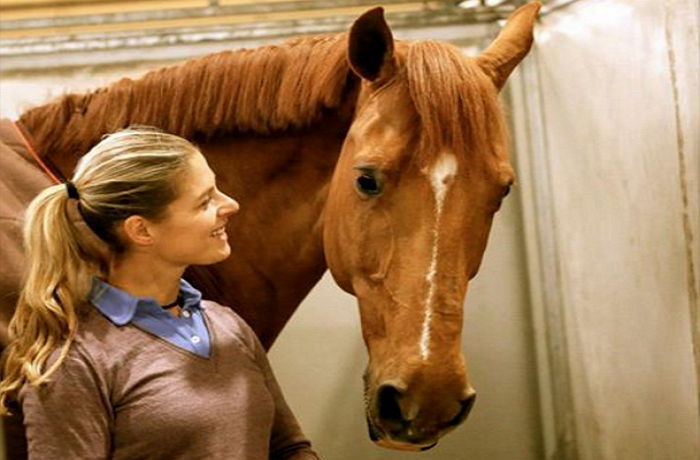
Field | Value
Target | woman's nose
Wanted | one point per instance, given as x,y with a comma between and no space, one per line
230,206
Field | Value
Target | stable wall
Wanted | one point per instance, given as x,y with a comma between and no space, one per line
607,127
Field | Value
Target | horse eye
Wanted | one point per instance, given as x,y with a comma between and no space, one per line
368,184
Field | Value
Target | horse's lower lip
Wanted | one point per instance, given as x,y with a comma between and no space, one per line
378,436
423,449
403,446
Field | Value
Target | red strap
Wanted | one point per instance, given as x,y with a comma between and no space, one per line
31,150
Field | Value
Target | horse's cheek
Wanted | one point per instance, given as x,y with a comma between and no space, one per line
375,248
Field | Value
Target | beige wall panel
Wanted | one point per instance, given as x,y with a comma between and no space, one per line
621,132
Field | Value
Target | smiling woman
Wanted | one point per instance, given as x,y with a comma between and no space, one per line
200,212
107,336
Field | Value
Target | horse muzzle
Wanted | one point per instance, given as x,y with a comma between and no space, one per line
393,426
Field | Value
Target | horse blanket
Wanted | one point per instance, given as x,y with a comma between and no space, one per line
21,179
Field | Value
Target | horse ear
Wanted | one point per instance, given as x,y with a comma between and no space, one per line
371,46
511,45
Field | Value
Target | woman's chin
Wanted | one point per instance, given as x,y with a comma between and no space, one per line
224,253
212,256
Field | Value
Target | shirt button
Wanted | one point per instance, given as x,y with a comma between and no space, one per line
186,314
195,339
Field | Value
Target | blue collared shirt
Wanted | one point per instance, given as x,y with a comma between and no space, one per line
188,332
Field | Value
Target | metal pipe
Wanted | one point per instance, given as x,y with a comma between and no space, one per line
248,31
213,10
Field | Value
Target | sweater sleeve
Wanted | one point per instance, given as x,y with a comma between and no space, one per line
287,442
69,416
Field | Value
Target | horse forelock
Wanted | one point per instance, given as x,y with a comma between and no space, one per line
262,90
457,105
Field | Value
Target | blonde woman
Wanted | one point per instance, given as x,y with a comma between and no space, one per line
113,354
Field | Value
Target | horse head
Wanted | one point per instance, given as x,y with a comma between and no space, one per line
420,176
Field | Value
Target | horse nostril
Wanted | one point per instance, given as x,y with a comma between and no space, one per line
467,405
388,404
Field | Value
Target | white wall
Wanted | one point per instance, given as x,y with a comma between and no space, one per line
608,113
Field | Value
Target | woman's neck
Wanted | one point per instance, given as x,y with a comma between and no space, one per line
141,276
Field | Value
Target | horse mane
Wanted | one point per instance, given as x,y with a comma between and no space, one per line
260,90
457,103
276,88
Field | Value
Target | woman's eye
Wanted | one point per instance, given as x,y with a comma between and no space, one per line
368,184
206,202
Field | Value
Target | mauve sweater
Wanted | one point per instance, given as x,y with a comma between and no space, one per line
123,393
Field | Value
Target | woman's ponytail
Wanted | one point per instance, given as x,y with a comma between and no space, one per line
70,235
60,265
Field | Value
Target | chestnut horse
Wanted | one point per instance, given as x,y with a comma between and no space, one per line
383,161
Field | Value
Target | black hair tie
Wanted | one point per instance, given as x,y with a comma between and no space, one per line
72,191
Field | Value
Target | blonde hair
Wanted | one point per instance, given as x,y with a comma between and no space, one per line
70,240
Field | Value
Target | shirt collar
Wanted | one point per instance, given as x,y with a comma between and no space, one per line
120,306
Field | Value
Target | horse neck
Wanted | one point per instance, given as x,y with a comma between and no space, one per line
281,183
280,179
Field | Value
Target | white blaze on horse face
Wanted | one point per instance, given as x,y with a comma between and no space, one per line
440,176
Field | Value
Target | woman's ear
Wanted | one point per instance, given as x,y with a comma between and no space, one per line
137,230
